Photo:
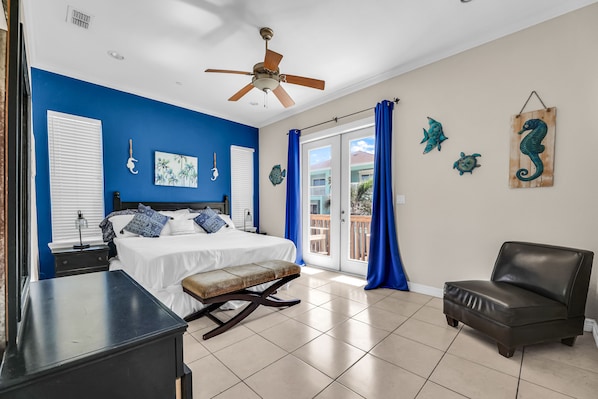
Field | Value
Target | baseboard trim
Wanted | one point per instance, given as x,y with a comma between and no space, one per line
425,289
591,325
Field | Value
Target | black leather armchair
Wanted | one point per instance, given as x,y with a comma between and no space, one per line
537,293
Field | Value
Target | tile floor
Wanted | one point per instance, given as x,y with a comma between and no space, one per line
344,342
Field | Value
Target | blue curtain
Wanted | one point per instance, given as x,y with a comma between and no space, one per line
292,229
385,269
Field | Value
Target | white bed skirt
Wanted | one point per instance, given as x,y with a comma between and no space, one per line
181,303
160,264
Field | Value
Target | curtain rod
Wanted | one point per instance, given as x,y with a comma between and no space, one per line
336,118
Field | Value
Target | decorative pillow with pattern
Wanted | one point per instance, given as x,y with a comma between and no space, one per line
147,222
209,220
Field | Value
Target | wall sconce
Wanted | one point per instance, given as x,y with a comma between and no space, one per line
80,223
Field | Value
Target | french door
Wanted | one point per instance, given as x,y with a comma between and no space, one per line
337,177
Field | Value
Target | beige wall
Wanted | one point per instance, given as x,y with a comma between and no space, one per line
451,226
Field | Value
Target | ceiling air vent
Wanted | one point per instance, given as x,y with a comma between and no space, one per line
78,18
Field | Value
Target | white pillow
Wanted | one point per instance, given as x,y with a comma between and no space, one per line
166,229
181,226
196,228
227,220
118,224
179,213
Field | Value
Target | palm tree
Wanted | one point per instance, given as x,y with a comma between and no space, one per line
181,159
162,169
361,198
188,174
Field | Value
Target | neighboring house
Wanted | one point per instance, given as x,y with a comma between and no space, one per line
362,169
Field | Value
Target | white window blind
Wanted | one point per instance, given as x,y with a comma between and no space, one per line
76,177
241,159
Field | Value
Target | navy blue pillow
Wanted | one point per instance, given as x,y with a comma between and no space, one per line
209,220
147,222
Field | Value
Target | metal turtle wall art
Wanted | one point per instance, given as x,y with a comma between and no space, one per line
467,163
277,175
434,136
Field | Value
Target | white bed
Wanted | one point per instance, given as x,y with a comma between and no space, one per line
159,264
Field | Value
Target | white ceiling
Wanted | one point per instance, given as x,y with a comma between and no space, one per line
351,44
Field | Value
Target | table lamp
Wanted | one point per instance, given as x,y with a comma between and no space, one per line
80,223
247,218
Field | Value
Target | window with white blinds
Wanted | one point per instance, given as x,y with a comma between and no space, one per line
241,160
76,177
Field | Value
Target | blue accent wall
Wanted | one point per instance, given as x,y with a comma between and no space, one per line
153,126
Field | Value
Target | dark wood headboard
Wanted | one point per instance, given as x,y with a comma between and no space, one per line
118,204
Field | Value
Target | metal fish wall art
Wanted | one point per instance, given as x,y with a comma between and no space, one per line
434,136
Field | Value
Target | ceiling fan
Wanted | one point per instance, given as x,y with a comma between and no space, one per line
267,76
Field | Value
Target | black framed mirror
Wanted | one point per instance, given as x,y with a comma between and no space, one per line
18,198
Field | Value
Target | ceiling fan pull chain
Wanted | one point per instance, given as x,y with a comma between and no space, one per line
265,99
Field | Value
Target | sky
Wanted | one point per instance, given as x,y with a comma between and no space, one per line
365,144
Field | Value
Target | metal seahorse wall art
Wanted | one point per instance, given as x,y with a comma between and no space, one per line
531,145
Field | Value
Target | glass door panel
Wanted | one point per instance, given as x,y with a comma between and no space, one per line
320,166
356,191
337,179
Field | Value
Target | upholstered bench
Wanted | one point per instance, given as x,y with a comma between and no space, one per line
216,287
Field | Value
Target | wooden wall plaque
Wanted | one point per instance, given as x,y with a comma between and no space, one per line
532,149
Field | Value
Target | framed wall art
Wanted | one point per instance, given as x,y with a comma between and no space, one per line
532,149
175,170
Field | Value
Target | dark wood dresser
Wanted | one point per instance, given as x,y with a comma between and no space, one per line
96,336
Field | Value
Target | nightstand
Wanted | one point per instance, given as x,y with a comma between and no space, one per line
69,261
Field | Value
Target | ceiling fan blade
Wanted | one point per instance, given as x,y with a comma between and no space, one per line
303,81
283,96
241,92
228,71
272,60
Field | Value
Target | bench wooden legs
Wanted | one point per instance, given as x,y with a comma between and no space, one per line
254,298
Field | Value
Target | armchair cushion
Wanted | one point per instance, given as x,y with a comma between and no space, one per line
505,303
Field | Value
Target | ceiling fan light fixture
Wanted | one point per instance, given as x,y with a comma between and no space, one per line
265,83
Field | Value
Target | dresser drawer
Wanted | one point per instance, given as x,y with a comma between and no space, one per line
88,260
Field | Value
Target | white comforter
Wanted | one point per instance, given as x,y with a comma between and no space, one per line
158,263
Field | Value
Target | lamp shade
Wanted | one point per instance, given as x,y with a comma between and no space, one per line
80,222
